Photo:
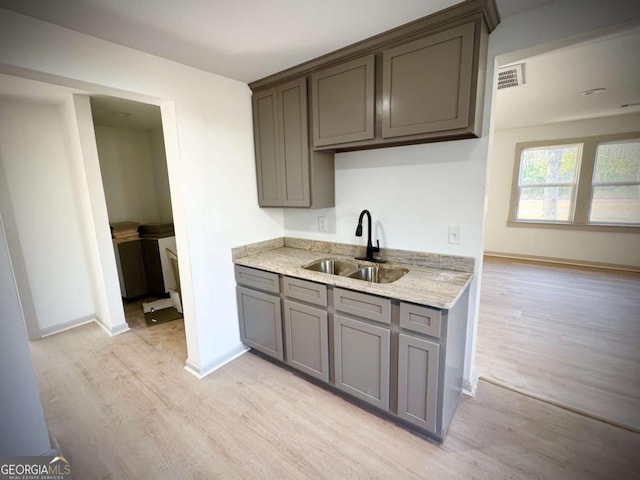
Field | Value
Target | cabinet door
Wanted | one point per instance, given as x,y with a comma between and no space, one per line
418,381
343,102
260,321
362,354
427,84
294,143
266,135
152,266
135,281
307,339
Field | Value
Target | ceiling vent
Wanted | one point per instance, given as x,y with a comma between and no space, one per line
510,76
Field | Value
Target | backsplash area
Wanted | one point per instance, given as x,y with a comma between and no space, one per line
423,259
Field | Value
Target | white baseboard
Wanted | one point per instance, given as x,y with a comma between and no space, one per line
113,331
564,261
470,385
45,332
201,372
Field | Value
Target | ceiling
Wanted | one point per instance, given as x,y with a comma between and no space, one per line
236,38
554,82
241,39
121,113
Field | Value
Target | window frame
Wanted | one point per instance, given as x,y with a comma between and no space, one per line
584,187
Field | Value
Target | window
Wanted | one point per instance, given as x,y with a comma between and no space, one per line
615,196
547,183
590,183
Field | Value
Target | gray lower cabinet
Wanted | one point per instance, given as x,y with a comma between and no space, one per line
343,99
403,358
307,339
418,370
152,266
362,356
260,321
131,265
288,173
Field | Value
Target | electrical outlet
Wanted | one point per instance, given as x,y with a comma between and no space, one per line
322,223
454,235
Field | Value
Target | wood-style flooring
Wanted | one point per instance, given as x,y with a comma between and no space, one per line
125,408
567,334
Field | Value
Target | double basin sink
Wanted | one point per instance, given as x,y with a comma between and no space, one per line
346,268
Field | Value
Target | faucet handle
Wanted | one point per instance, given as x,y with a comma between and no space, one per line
377,247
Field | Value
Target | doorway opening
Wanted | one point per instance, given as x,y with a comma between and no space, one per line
553,323
131,153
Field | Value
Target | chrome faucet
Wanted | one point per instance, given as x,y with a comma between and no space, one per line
370,248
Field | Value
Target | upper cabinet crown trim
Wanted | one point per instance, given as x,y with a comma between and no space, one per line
441,19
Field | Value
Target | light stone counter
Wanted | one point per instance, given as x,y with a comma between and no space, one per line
435,287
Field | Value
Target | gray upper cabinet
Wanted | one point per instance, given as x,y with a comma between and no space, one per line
427,84
420,82
294,143
343,99
289,174
281,142
266,138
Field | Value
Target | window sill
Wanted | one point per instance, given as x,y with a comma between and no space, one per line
576,226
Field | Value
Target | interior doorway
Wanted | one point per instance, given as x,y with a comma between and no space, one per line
544,328
131,153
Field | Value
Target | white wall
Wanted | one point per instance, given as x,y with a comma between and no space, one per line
160,176
127,174
414,193
24,431
599,247
36,169
89,194
207,129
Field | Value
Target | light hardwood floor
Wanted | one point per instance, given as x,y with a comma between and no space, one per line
568,334
124,408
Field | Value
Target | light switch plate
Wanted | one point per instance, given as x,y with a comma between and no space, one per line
322,223
454,235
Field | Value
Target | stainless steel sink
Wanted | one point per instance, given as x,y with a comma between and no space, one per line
333,266
378,274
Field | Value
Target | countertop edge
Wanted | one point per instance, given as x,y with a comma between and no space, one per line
293,259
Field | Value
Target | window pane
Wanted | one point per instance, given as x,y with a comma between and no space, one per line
615,204
545,203
548,165
617,162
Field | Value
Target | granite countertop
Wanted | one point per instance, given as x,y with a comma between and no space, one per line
435,287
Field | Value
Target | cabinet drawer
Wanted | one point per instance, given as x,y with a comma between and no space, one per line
363,305
251,277
311,292
420,319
